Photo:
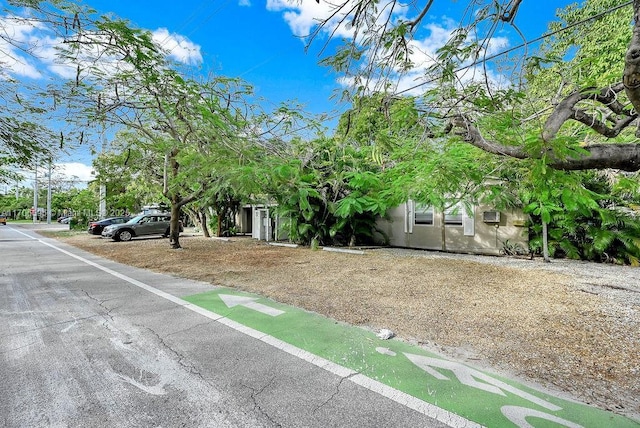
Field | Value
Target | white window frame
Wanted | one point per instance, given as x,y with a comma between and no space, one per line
467,221
423,209
459,209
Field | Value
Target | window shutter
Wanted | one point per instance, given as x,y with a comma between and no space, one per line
468,223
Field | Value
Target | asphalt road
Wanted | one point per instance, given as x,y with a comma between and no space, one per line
85,344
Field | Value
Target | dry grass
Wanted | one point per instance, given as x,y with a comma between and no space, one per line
527,323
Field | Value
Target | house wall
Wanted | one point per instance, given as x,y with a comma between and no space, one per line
473,236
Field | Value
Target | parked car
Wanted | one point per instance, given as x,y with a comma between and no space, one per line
141,225
63,218
96,227
3,219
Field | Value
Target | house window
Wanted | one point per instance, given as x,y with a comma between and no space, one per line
453,215
423,214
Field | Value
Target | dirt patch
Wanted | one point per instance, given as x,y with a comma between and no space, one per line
536,325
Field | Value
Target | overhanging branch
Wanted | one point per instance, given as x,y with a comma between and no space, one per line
608,97
625,157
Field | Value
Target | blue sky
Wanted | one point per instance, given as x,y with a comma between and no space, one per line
262,43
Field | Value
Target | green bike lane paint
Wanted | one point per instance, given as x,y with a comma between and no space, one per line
407,373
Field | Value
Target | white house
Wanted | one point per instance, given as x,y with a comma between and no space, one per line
481,230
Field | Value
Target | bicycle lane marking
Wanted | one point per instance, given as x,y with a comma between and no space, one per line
458,389
448,418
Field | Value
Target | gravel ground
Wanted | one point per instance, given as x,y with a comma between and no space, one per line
568,326
610,281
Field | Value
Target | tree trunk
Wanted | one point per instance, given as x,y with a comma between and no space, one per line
199,217
631,74
443,233
202,216
545,243
174,234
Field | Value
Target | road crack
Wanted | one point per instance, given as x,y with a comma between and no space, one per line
254,397
336,392
107,311
181,359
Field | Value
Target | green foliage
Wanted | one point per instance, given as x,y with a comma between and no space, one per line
605,235
177,128
588,54
132,175
327,193
17,208
83,204
225,202
584,56
23,142
202,143
588,220
380,123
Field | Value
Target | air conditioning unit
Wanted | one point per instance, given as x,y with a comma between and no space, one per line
491,216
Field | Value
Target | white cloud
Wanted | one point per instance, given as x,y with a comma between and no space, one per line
497,44
423,55
438,35
178,47
73,171
17,65
33,37
303,16
244,3
12,59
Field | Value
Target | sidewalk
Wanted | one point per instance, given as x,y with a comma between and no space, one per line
41,225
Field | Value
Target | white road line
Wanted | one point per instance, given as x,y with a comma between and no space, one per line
450,419
22,233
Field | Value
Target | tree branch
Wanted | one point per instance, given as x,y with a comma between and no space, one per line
631,74
413,23
601,127
625,157
566,110
510,14
469,133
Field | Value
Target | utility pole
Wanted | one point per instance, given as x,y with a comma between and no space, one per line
49,195
103,199
35,194
103,185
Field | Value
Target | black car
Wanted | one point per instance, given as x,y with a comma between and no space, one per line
96,227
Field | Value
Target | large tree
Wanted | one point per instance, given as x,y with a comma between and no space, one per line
124,79
384,44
